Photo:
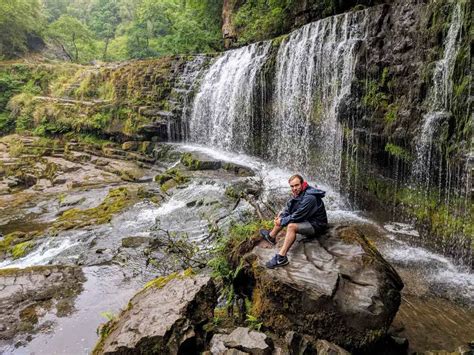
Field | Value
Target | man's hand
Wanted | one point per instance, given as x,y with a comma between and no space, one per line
277,221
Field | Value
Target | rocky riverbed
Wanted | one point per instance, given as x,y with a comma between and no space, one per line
80,239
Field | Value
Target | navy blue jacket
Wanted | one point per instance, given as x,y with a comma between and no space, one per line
308,206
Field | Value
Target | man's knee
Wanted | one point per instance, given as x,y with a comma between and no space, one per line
293,227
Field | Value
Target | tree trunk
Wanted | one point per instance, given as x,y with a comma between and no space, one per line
75,47
104,57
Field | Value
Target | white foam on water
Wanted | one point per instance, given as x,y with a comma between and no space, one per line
275,179
47,251
437,268
401,228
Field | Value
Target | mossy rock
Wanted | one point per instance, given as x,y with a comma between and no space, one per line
195,162
115,201
171,178
17,244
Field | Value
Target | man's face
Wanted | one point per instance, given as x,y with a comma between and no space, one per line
296,186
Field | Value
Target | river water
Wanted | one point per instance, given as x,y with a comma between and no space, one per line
438,297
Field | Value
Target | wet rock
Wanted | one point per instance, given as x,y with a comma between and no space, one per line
337,287
323,347
25,292
134,242
131,145
198,161
237,169
71,201
249,341
166,318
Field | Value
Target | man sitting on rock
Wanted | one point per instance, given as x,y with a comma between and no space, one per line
304,214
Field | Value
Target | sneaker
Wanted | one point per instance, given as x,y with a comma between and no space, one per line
277,261
266,235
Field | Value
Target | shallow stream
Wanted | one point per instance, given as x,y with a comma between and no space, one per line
438,298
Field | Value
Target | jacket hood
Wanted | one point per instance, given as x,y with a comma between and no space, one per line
316,192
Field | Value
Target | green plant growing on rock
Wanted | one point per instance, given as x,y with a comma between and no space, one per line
21,249
16,244
224,263
171,178
398,152
115,201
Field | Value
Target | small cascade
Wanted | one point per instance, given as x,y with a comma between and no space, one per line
182,95
224,110
438,101
314,72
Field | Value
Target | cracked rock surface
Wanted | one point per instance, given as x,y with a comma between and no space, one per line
166,320
336,287
28,294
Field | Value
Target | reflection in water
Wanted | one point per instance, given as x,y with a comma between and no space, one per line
433,323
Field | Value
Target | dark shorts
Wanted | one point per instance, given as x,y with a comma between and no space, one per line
306,229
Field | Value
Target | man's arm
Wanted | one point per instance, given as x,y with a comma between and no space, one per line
301,213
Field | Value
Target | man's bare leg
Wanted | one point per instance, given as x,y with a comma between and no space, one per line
289,238
276,229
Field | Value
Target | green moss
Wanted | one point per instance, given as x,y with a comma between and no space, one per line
171,178
190,161
161,281
22,249
442,221
276,42
390,116
115,201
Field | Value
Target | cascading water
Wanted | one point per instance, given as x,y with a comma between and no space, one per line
314,72
188,81
224,109
438,101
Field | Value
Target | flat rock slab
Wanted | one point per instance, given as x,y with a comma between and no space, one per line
163,320
337,287
26,294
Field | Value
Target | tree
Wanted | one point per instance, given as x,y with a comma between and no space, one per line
71,35
18,20
104,21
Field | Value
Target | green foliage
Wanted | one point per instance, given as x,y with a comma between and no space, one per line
18,19
104,19
398,152
7,123
375,96
391,115
174,26
225,246
261,19
73,37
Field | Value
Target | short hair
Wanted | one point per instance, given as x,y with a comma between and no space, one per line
296,176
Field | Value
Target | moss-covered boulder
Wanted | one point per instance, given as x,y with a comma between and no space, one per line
196,161
166,317
337,288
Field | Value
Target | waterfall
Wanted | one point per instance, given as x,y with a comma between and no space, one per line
224,109
188,82
314,72
438,100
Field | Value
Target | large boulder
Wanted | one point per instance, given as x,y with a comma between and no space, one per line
167,317
337,287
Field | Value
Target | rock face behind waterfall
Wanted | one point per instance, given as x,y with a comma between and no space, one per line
163,320
337,288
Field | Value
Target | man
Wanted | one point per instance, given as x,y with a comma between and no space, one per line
304,214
